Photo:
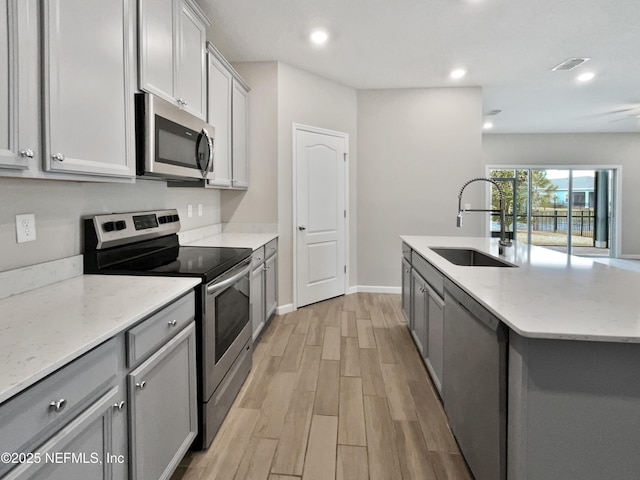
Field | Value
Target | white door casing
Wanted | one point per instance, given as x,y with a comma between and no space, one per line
320,214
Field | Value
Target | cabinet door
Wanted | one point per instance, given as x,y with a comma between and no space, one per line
257,300
419,312
163,406
191,63
88,102
157,34
18,85
240,167
219,115
83,449
435,339
271,285
406,290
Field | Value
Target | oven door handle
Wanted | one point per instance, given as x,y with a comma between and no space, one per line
216,287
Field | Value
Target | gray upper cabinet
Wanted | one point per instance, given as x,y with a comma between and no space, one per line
87,96
240,118
228,113
172,46
220,81
19,144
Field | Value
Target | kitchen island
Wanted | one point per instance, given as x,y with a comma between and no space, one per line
572,356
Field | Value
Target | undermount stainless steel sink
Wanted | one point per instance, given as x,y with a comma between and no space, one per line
469,257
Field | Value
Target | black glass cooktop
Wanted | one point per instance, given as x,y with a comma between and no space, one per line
178,261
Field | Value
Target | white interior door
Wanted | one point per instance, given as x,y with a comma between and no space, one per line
320,218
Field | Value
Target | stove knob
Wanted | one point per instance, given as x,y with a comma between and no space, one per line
175,218
109,226
162,220
121,225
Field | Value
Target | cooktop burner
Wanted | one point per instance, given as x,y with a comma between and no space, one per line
146,243
205,262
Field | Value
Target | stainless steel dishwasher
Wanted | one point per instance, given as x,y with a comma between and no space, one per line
474,387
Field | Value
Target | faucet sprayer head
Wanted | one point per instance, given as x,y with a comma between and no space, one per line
459,219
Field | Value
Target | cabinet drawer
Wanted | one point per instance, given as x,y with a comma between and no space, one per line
406,251
28,419
271,248
429,273
157,329
257,257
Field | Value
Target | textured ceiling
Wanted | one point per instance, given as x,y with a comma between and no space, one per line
507,46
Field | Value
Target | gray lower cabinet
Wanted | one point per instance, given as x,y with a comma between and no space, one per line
257,300
435,337
406,289
423,306
419,312
92,446
271,285
89,420
163,404
264,286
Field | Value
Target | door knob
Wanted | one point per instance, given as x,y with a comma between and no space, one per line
302,227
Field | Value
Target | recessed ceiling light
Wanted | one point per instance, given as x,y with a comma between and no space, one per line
319,37
585,77
487,125
458,73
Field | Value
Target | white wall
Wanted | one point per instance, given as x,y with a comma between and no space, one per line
259,204
311,100
416,148
59,206
579,149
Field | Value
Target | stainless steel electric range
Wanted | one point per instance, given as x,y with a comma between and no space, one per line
146,243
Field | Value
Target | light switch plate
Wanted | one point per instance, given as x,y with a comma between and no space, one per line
200,207
26,227
189,210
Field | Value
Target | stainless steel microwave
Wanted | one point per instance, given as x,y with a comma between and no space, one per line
171,143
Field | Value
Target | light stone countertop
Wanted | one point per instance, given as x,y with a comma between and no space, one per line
46,328
550,294
237,240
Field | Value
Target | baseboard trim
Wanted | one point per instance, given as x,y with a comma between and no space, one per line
374,289
282,309
629,257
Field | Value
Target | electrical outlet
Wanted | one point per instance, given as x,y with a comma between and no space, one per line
189,210
200,207
26,227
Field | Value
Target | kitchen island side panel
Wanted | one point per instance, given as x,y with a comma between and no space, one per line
574,410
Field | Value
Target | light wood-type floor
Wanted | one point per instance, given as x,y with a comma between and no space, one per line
337,391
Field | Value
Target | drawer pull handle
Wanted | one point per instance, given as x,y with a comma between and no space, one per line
119,406
58,405
141,385
28,153
173,323
58,156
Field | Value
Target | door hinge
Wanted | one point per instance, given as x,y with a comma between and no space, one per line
345,269
345,156
345,214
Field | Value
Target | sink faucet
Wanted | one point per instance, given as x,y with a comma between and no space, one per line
504,241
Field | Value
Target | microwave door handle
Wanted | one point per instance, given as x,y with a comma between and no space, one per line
210,145
204,170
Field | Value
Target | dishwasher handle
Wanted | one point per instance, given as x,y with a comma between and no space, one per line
216,286
473,307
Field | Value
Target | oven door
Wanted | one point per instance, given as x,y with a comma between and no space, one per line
226,325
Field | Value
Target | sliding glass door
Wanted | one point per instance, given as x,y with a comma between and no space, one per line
569,210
